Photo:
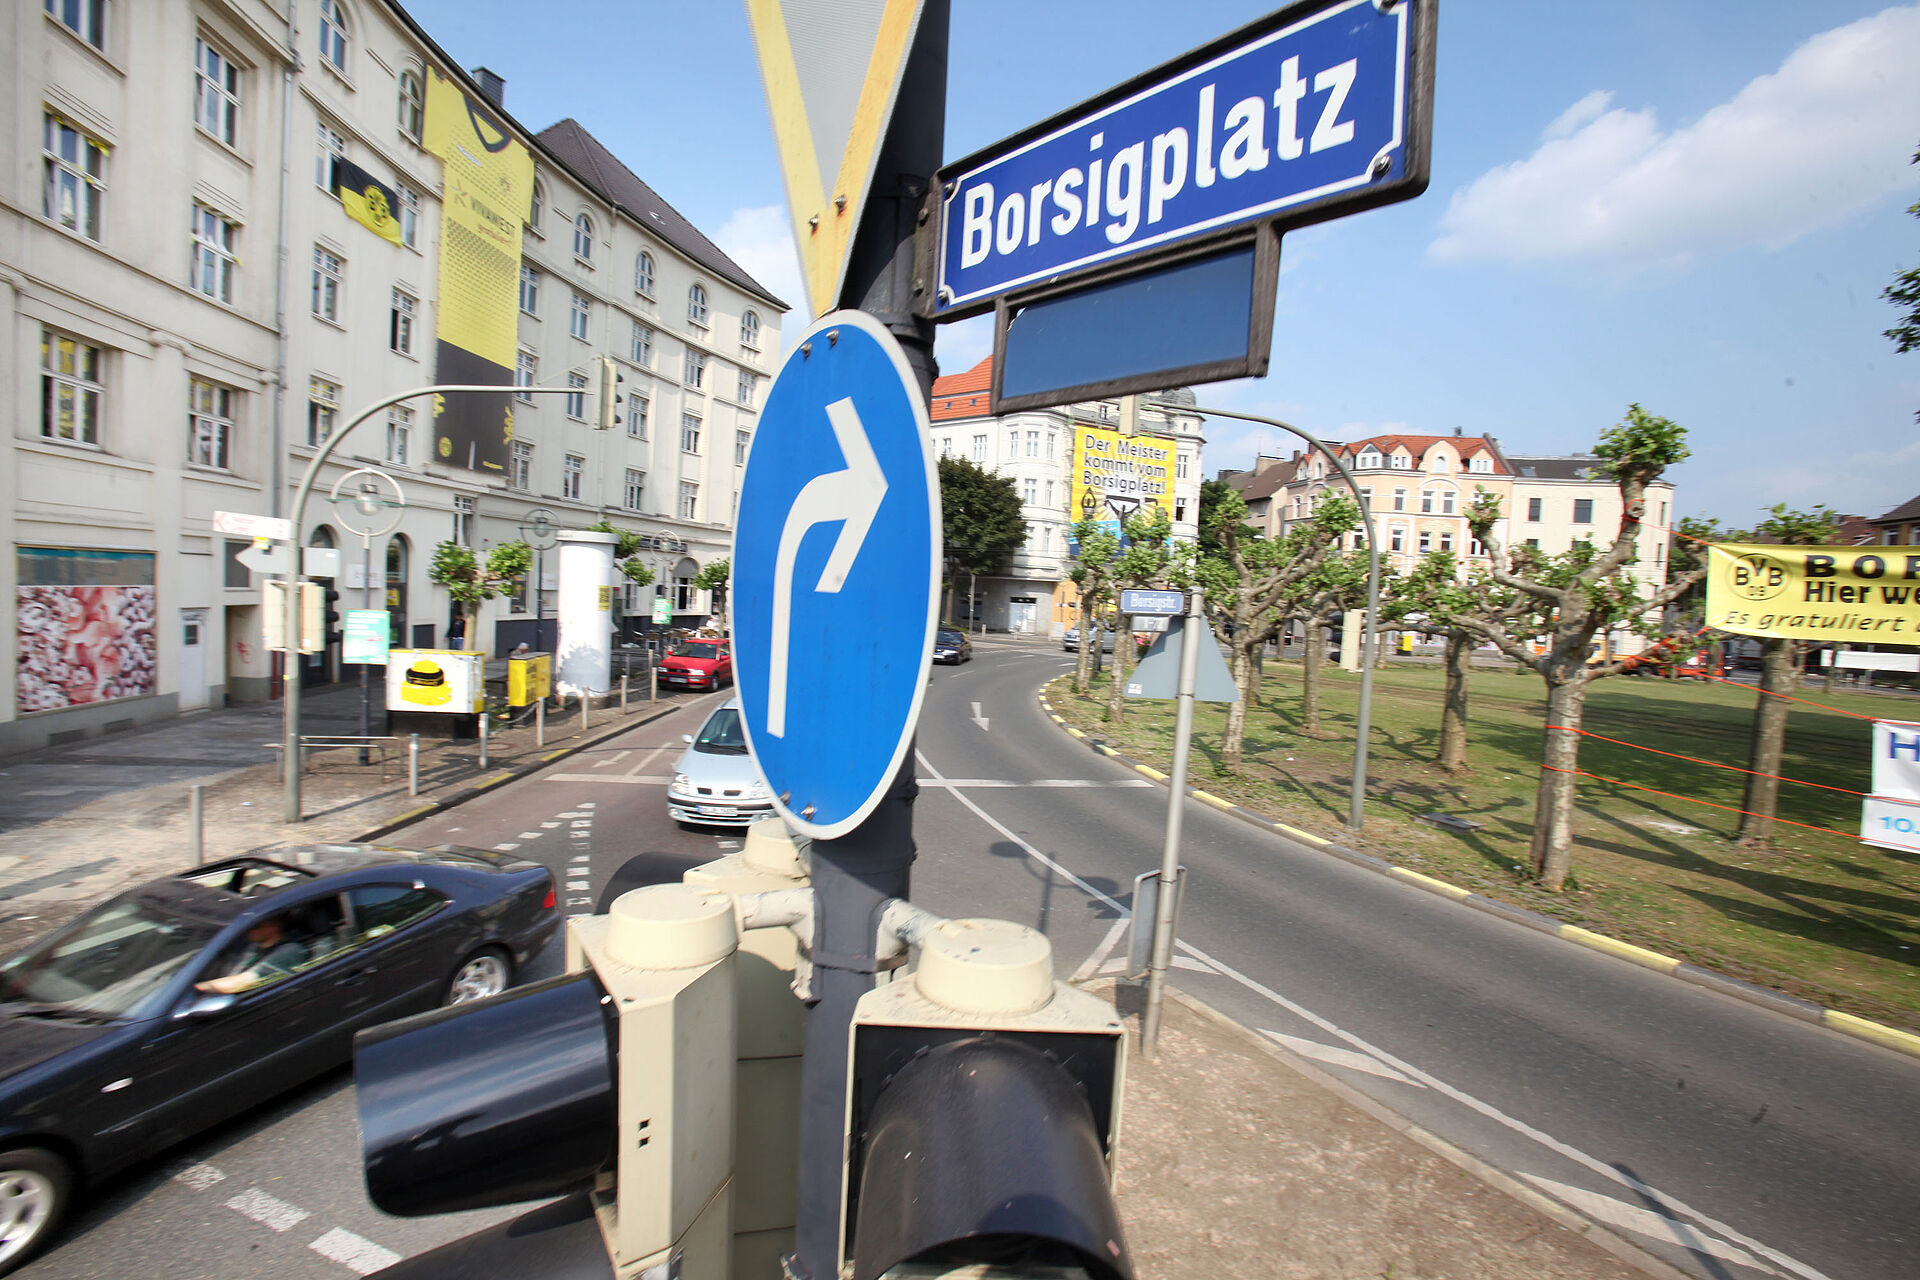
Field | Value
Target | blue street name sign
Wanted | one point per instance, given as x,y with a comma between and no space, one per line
1145,603
1317,111
836,554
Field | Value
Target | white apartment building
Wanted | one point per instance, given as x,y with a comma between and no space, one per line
189,309
1039,450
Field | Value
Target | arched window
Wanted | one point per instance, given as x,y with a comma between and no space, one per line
334,34
538,206
697,305
397,557
413,103
750,330
583,238
643,273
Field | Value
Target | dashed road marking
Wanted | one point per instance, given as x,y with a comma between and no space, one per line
530,835
362,1257
199,1176
267,1210
506,846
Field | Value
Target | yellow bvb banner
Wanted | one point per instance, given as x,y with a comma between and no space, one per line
1115,475
1859,594
489,187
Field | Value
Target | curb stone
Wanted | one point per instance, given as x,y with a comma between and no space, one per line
1752,993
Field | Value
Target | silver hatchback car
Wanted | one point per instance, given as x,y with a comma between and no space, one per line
715,782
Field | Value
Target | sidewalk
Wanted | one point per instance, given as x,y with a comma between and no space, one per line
83,822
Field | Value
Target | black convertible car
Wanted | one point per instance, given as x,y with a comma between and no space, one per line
175,1005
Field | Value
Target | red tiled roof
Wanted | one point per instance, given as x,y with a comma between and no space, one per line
963,395
1417,446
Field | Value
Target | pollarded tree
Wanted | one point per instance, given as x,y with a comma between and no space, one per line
471,581
1577,593
626,553
713,578
1433,598
1144,562
1319,600
1095,551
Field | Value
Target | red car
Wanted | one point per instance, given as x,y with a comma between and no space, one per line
698,664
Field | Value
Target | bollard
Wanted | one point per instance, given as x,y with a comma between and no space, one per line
653,684
198,806
583,710
623,693
484,717
413,764
540,723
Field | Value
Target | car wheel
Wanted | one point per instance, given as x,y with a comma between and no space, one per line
34,1184
482,974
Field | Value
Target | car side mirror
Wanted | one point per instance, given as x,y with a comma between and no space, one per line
206,1005
686,737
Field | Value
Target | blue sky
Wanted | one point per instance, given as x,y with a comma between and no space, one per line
1691,206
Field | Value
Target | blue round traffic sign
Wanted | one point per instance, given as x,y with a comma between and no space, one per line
836,560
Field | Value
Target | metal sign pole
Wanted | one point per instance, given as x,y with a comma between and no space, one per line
1163,918
366,603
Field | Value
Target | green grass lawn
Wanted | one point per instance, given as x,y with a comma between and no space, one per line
1820,915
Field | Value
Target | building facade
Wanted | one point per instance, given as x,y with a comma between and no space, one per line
1059,458
223,233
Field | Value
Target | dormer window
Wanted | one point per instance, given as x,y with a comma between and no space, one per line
1480,464
1401,462
1441,464
1369,460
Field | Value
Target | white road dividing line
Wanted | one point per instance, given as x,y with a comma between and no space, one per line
362,1257
645,780
1333,1055
1618,1213
1035,782
267,1210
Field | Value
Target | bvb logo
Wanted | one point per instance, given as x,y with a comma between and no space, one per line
446,447
1757,577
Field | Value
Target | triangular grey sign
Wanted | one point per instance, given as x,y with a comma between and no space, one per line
1158,675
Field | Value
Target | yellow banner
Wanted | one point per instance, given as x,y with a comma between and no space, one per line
1115,476
1857,594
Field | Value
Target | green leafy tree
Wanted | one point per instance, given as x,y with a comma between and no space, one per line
1575,595
1145,562
980,519
714,578
1779,658
1095,552
1212,494
471,581
1317,601
626,553
1904,293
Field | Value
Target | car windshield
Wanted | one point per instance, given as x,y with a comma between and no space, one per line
106,963
721,735
949,637
695,651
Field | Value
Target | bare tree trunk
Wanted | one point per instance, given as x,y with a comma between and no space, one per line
1122,663
1768,742
1552,849
1453,703
1256,669
1237,710
1082,664
1310,679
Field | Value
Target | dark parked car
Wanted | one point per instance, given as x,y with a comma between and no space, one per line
951,646
167,1009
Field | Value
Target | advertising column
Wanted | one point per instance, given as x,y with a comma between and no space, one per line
586,611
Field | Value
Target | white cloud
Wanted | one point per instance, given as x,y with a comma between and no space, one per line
1827,135
761,241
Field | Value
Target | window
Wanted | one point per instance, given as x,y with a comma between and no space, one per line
1426,501
209,424
1400,462
1049,493
689,433
1533,509
1029,490
1446,502
333,35
537,206
85,18
1441,464
520,467
689,510
577,313
1013,445
1475,549
379,909
69,389
637,408
1446,540
1180,466
577,396
572,468
213,257
1397,538
327,272
399,434
216,92
583,238
1050,436
463,519
1033,444
1480,464
323,410
332,147
741,440
696,370
1534,543
1659,553
1583,510
745,393
526,369
409,216
400,328
529,290
413,103
946,446
1369,460
642,345
750,330
697,306
76,174
980,448
1663,513
1426,541
643,273
1399,499
636,490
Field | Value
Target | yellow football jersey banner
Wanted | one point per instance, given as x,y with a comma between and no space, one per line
488,190
1857,594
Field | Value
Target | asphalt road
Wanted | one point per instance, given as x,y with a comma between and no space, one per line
1733,1141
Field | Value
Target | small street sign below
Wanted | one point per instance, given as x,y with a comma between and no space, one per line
1149,604
242,525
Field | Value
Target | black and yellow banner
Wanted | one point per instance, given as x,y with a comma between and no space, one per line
488,189
367,200
1863,595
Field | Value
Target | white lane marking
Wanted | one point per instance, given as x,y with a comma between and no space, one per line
575,813
1646,1222
578,884
506,846
529,835
362,1257
978,718
548,826
1035,782
267,1210
1672,1205
1338,1057
645,780
615,758
1093,963
199,1176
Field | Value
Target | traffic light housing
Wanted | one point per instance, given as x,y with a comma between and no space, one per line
333,632
607,411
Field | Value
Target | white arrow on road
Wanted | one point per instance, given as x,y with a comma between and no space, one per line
853,496
978,718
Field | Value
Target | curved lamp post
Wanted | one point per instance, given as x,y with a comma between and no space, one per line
364,512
